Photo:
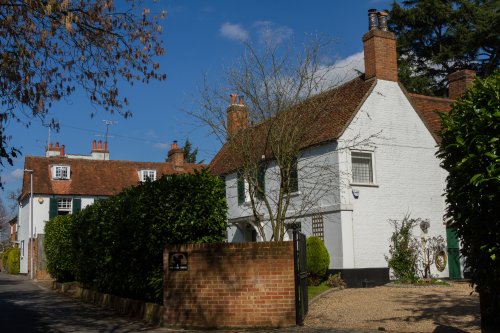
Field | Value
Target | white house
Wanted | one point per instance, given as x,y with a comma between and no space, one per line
65,184
395,174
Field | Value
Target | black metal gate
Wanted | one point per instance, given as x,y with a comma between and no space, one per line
300,262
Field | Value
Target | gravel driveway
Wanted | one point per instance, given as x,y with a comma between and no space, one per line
396,309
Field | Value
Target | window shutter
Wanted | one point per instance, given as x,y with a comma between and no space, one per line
261,181
241,189
52,208
77,205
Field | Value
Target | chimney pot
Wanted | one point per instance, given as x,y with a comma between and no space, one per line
57,144
382,20
176,155
105,145
240,102
372,19
99,145
94,145
233,98
50,145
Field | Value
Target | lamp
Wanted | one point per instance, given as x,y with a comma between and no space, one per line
31,221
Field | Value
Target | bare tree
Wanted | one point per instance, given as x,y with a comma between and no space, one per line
283,98
48,48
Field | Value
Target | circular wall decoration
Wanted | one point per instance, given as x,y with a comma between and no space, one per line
440,260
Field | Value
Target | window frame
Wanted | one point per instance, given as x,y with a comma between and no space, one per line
364,154
144,175
66,208
58,169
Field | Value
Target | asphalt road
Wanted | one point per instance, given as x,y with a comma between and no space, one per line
27,307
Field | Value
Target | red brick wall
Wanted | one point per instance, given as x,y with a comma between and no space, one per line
231,285
459,82
380,55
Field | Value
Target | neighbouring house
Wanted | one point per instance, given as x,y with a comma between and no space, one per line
65,184
13,230
395,174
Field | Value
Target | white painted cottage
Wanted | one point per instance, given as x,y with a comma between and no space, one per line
395,175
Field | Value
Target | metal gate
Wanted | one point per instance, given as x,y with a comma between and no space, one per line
300,264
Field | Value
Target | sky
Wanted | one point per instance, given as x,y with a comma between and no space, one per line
199,37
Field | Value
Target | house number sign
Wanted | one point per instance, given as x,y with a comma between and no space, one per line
178,261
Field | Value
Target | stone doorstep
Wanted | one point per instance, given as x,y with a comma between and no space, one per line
151,313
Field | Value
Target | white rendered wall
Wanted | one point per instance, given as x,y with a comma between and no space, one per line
407,175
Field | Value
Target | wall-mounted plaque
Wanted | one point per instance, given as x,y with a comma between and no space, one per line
177,261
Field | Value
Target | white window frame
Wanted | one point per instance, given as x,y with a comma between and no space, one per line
147,174
61,172
64,205
368,155
22,249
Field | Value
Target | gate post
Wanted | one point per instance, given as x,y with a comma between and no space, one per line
300,266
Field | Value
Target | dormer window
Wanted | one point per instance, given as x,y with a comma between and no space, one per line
146,175
61,172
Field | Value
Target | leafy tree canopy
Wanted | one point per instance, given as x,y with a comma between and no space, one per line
48,48
470,152
437,37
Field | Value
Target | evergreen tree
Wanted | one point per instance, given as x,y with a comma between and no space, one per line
438,37
190,153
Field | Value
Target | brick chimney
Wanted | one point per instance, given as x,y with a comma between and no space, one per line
100,150
459,81
237,116
380,48
176,155
55,150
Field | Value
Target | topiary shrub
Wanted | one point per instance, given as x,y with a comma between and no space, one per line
318,259
13,261
58,248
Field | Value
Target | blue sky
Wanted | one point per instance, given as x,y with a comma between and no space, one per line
199,36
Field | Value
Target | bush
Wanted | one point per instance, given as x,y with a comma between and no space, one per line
335,281
118,242
13,260
58,248
318,259
403,255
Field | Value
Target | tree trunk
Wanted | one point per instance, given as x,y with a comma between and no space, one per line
490,311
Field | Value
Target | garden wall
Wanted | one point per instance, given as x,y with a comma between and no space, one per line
229,285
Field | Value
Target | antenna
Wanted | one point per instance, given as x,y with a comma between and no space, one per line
48,140
108,123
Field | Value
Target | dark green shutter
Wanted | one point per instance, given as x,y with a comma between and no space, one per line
261,181
241,189
453,254
52,208
294,177
77,205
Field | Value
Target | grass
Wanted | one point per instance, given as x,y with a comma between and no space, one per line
313,291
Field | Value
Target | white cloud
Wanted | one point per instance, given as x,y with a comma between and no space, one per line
233,32
271,33
17,174
160,145
342,70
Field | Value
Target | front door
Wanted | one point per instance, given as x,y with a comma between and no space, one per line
453,254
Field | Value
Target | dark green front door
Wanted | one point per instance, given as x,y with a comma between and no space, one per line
453,254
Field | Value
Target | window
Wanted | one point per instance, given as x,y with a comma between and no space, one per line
146,175
64,206
362,167
61,172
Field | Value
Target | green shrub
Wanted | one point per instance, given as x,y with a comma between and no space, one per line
5,257
59,248
335,281
13,260
403,254
118,242
318,259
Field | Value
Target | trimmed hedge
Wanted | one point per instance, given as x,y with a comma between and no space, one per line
318,259
117,243
58,248
13,260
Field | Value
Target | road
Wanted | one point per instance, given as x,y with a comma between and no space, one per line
27,307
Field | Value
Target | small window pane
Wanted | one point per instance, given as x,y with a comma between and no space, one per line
148,175
362,169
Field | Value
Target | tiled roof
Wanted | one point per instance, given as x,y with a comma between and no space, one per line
427,106
337,107
340,105
92,177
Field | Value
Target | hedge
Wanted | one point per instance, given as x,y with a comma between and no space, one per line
13,260
59,248
117,243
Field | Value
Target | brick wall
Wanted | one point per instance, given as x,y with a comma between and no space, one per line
231,285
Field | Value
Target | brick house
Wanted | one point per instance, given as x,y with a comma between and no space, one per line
393,176
65,184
